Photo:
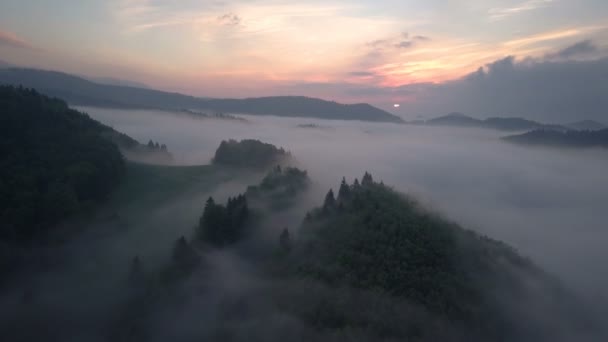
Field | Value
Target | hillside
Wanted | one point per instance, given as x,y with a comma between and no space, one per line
575,139
382,244
55,162
78,91
369,264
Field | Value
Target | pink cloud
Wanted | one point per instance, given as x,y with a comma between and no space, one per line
12,40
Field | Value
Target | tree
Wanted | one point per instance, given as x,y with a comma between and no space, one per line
367,179
344,192
183,255
222,225
330,201
151,144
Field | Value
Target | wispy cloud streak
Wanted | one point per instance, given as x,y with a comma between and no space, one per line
504,12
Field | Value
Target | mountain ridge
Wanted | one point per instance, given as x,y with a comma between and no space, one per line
79,91
456,119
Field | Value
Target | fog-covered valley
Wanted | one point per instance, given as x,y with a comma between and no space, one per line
548,203
137,268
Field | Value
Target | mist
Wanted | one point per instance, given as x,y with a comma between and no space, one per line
547,203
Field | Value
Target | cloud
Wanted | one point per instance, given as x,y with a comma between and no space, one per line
12,40
582,48
422,38
229,19
403,41
377,43
504,12
361,73
405,44
556,91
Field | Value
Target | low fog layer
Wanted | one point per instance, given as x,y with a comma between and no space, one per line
548,203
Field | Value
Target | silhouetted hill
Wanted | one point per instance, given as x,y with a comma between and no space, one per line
79,91
454,119
54,162
562,139
300,106
498,123
586,125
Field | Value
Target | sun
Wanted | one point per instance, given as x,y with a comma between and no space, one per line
396,105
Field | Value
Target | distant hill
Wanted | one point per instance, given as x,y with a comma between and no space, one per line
4,64
79,91
498,123
454,119
586,125
578,139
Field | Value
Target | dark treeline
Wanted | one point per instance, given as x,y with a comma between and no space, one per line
155,146
223,225
576,139
279,187
55,162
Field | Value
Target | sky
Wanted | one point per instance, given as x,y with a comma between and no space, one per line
351,51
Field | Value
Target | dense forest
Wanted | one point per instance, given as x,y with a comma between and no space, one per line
55,162
575,139
368,264
248,153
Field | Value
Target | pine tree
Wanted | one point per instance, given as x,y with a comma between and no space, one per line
367,179
344,192
330,200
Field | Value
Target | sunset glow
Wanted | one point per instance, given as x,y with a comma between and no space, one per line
251,48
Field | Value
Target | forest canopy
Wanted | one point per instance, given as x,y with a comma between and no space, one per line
55,162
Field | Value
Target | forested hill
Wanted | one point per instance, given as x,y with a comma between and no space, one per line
54,161
300,106
577,139
79,91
